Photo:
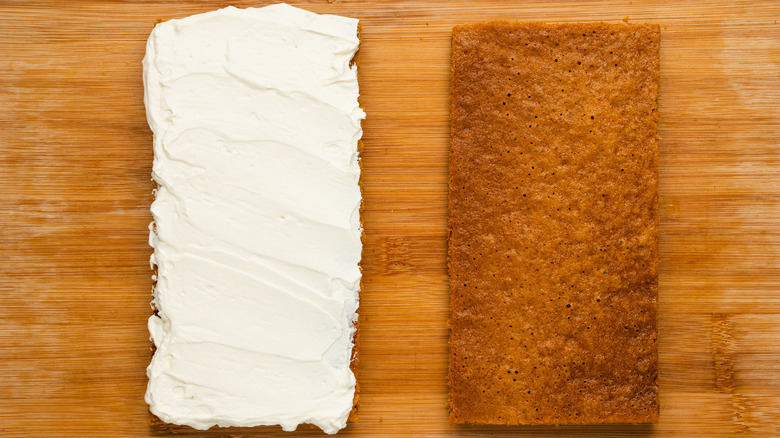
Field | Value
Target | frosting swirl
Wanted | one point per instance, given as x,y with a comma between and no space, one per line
256,230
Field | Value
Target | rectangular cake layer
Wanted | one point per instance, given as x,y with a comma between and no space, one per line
553,223
256,232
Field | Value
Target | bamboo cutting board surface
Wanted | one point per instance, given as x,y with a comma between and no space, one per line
75,163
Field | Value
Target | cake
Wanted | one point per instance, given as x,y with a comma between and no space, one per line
553,247
256,232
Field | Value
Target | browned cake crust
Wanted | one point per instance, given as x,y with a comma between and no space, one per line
553,250
353,365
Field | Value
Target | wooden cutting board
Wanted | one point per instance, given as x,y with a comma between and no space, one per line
75,162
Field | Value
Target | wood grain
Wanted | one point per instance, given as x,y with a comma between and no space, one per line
75,162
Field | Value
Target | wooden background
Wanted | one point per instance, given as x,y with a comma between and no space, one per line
75,162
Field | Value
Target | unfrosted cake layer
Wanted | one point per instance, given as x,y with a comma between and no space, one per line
256,232
553,223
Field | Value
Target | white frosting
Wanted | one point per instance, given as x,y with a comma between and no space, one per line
256,230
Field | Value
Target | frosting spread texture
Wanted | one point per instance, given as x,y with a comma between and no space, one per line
256,232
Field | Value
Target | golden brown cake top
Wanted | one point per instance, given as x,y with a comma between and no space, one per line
553,223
